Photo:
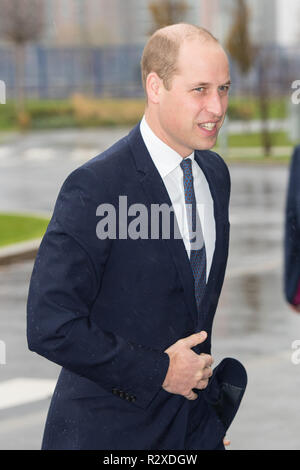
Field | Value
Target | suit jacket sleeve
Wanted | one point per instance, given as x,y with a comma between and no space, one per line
292,230
65,281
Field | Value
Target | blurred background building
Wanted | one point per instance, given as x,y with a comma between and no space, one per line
94,46
100,22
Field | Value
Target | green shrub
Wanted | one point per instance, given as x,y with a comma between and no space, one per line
84,111
17,228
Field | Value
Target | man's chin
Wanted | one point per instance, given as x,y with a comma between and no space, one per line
207,145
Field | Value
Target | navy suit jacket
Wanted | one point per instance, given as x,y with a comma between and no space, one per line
106,310
292,230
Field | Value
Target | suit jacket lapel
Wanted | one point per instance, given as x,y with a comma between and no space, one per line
208,167
156,192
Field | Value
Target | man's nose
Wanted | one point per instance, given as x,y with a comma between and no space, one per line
214,104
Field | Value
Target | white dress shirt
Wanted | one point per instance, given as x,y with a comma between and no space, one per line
167,162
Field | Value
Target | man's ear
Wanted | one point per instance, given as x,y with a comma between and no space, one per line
153,86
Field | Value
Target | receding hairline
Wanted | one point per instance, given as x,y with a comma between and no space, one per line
171,38
184,31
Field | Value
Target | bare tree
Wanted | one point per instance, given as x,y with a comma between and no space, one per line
264,64
167,12
238,41
21,21
244,53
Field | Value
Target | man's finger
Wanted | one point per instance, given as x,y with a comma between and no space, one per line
191,395
202,384
194,339
208,359
204,374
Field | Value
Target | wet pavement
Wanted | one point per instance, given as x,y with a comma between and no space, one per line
253,322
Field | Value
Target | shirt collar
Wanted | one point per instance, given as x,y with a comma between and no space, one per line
164,157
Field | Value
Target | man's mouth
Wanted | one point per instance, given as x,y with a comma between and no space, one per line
209,128
208,125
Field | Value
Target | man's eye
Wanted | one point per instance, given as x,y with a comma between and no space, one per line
201,88
224,88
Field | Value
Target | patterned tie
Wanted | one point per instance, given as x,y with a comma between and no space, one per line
198,252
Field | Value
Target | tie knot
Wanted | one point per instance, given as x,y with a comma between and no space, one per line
186,166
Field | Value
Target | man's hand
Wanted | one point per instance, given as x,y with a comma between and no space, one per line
187,370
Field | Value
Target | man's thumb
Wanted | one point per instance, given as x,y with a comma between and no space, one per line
196,338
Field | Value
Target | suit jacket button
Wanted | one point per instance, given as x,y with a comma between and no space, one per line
121,394
115,391
132,398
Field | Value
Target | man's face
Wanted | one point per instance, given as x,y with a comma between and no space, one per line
191,113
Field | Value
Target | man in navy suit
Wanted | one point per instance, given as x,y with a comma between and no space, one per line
125,306
292,235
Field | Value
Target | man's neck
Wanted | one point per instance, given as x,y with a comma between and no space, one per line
154,125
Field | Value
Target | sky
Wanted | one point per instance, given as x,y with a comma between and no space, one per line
289,21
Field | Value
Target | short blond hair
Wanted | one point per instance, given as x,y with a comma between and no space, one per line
162,49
